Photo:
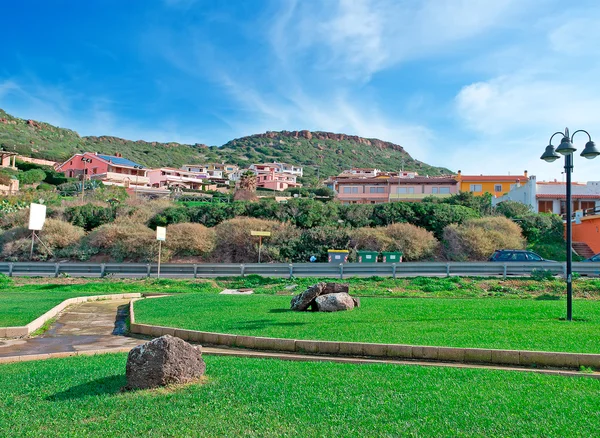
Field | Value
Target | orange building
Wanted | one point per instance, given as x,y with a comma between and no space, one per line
497,185
588,233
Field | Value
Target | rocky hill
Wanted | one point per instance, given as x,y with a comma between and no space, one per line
322,153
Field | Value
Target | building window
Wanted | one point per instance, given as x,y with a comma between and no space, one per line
405,190
476,188
587,205
350,189
376,189
497,187
440,190
545,206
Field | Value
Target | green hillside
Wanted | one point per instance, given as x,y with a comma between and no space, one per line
319,152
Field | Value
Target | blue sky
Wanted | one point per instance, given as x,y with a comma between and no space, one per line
476,85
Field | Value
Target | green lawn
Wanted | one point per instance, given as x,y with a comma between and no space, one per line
485,323
80,396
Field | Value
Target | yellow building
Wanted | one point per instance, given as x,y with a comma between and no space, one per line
496,185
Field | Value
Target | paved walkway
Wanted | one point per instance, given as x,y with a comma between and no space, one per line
93,325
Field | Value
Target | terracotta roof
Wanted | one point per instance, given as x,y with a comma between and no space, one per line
493,178
551,196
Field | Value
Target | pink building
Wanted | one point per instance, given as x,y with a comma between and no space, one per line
388,189
171,178
268,176
110,169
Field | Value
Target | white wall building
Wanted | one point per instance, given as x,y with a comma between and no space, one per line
550,196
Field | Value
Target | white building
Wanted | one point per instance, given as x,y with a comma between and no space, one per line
550,196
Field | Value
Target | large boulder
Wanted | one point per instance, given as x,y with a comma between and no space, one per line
163,361
302,301
308,298
334,302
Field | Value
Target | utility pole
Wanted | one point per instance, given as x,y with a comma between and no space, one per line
85,161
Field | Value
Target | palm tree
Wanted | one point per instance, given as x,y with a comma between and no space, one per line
248,181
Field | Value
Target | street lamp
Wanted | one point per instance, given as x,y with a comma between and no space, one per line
85,161
566,148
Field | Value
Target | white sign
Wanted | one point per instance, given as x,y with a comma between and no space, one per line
37,216
161,234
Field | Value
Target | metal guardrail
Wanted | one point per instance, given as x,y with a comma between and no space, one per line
283,270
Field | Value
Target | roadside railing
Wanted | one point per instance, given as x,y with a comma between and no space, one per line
284,270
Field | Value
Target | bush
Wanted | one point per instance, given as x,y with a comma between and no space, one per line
171,215
316,241
56,236
542,227
124,239
236,245
512,209
476,239
45,187
190,239
414,242
90,216
32,176
371,239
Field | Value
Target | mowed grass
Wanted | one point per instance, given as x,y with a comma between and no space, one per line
22,303
80,396
484,323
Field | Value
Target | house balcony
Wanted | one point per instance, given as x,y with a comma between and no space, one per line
416,196
121,178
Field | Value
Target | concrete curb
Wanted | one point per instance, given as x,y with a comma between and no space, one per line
520,358
26,330
31,357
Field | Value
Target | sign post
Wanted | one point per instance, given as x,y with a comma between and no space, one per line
161,236
37,217
260,235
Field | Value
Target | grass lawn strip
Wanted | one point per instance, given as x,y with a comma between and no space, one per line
470,323
80,396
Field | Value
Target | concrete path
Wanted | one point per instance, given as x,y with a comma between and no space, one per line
94,325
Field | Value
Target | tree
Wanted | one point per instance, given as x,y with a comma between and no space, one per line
248,181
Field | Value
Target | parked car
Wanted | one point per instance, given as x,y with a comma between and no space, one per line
595,258
516,255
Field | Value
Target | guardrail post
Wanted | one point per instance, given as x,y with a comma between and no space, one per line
56,268
447,269
242,270
148,270
102,270
394,271
195,271
341,271
10,269
504,276
291,271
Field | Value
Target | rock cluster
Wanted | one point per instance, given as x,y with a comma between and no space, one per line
325,297
163,361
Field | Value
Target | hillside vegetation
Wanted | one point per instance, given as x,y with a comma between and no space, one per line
331,153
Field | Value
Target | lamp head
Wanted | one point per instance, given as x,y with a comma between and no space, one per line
550,154
590,151
566,147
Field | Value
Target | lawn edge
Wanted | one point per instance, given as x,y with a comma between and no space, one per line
16,332
486,356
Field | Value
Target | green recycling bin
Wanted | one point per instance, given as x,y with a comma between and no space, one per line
367,256
392,257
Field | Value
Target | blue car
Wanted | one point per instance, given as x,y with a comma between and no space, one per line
595,258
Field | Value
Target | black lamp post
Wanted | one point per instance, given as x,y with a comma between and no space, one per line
566,148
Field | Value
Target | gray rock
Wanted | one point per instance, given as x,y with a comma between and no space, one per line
356,301
335,288
334,302
302,301
163,361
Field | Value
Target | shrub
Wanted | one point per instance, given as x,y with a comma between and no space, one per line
316,241
55,236
476,239
45,187
32,176
124,239
90,216
414,242
171,215
371,239
190,239
512,209
236,245
542,227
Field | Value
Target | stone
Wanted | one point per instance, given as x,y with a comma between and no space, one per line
302,301
335,288
334,302
236,292
163,361
356,301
